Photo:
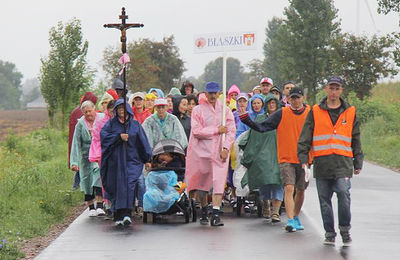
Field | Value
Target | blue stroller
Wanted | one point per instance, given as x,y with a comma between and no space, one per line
165,189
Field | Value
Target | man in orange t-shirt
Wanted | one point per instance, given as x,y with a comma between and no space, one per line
288,122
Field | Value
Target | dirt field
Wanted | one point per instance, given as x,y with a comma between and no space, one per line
21,121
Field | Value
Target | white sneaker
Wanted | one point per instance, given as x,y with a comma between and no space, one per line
92,213
100,212
119,223
127,221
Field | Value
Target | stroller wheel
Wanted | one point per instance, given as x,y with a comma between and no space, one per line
194,211
145,217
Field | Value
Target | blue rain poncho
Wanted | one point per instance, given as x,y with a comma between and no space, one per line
160,194
122,162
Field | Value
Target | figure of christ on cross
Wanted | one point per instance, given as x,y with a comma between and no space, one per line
123,26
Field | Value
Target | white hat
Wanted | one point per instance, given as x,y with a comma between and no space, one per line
266,80
161,102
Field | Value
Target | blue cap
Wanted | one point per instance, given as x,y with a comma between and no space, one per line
212,87
335,80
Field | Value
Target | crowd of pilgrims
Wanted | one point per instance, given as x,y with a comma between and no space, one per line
111,155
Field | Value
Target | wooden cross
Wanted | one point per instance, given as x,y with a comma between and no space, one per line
123,26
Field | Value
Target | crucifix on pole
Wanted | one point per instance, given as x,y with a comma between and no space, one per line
123,26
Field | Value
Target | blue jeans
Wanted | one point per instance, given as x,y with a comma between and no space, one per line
326,188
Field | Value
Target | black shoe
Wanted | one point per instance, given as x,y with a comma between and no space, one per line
330,241
346,239
216,221
204,216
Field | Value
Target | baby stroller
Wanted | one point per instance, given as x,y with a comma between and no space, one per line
165,189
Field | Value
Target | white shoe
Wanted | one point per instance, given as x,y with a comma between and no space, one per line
100,212
119,223
92,213
127,221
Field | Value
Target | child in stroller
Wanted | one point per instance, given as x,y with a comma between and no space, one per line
165,189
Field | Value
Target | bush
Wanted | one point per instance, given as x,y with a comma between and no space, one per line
35,179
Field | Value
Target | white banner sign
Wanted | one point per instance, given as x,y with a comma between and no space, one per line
221,42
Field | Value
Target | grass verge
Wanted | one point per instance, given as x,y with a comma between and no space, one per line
35,188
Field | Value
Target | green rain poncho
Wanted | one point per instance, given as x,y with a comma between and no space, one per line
88,171
260,155
170,128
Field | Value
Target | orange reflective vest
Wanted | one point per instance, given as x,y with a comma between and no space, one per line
288,133
333,139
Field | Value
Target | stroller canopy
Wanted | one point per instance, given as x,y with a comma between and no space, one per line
168,146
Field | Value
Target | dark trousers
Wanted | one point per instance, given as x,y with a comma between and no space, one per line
326,188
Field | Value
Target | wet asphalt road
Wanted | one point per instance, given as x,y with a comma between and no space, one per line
375,232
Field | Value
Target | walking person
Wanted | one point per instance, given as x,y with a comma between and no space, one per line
261,160
207,156
140,112
332,133
73,119
192,102
162,125
123,158
180,108
288,122
88,171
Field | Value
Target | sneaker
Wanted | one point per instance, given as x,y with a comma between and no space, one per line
290,225
127,221
119,223
246,206
100,212
216,221
330,241
92,213
204,216
299,226
275,218
346,239
266,209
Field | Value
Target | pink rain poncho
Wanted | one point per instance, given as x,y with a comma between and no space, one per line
95,146
204,167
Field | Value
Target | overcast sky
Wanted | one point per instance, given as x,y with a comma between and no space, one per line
24,25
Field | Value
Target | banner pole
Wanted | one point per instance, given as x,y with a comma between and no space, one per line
223,93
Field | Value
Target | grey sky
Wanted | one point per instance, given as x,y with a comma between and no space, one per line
24,25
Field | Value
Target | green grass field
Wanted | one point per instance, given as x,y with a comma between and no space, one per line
35,187
380,131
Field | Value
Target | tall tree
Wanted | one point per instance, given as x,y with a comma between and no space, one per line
304,37
362,61
10,86
64,74
234,72
274,52
153,64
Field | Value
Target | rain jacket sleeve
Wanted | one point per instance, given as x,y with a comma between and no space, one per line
270,124
76,146
143,145
147,127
